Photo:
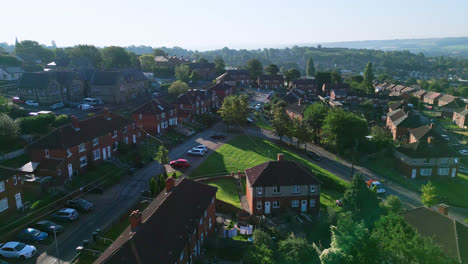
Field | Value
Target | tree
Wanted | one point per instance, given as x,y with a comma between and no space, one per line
147,62
360,200
411,81
255,68
393,204
182,72
259,254
368,74
463,91
33,49
302,133
89,53
202,60
178,87
159,52
292,74
281,123
116,57
219,65
163,155
262,238
272,69
9,128
235,109
336,77
322,78
154,186
297,250
195,76
343,129
310,69
429,194
314,115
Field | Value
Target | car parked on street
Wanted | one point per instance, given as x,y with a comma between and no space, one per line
85,107
66,214
377,185
445,137
31,235
18,250
32,103
313,155
464,152
201,147
196,152
17,100
57,106
180,163
46,226
463,170
81,205
218,136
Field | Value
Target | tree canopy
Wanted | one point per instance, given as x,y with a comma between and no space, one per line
177,88
310,68
235,109
219,65
255,67
182,72
271,69
116,57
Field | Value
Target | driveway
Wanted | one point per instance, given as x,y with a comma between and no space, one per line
109,207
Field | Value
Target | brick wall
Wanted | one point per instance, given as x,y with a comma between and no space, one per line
11,189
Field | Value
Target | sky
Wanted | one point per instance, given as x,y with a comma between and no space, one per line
213,24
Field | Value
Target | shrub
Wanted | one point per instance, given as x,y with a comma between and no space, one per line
36,124
61,120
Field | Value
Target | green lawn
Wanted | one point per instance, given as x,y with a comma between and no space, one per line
244,152
227,191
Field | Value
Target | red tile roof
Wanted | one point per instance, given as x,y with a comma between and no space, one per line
154,106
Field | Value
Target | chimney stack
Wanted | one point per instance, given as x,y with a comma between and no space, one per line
75,123
432,125
135,219
170,182
466,106
280,156
299,102
443,209
430,140
107,113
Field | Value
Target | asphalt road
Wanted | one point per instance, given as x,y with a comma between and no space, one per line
109,207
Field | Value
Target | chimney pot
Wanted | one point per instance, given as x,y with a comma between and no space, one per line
170,182
466,106
443,209
430,140
280,156
75,123
432,125
135,219
107,113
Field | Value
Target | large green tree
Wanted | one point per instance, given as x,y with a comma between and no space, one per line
368,73
159,52
429,194
310,68
281,122
235,109
297,250
292,74
88,52
182,72
360,200
272,69
302,132
255,68
219,65
32,49
9,128
177,88
116,57
314,116
163,155
195,76
147,62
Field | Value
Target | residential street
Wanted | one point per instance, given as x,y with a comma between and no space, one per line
108,208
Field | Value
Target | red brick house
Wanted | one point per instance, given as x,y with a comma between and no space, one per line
446,99
427,158
270,81
338,95
399,123
451,106
459,118
276,186
235,77
171,230
420,133
11,191
307,85
155,117
328,87
432,98
295,105
194,102
169,61
420,94
227,79
69,149
222,90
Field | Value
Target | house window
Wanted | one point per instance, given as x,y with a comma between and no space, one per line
259,190
276,204
114,146
181,106
444,171
443,161
163,115
455,160
83,161
297,189
276,189
95,141
312,203
426,172
126,140
97,154
426,161
59,172
209,223
2,186
69,154
140,116
115,134
15,180
205,213
124,129
201,221
82,147
181,256
46,153
3,204
295,203
259,205
312,188
212,201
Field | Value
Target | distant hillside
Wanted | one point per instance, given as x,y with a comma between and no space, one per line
430,47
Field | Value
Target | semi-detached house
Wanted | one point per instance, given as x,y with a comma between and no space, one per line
11,191
194,102
69,149
155,117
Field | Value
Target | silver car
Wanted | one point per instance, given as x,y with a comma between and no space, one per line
196,152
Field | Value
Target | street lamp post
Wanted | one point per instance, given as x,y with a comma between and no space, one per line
56,243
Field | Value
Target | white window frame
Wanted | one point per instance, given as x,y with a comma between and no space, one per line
205,213
82,164
69,153
82,147
140,116
115,134
443,171
425,171
259,205
259,190
276,190
276,204
312,188
126,140
312,203
297,189
201,220
209,223
163,115
295,203
181,256
15,180
46,153
59,172
95,141
115,146
2,186
3,204
98,156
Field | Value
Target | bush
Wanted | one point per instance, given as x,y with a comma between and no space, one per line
123,148
61,120
36,124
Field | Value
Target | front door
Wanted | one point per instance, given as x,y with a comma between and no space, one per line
413,174
303,205
70,171
19,203
134,139
108,151
104,156
454,172
267,207
159,130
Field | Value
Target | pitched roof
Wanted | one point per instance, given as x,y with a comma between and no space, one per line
49,164
456,105
280,173
447,98
296,107
432,95
13,69
396,115
153,106
34,80
421,132
449,234
105,77
220,87
438,148
66,136
302,81
464,112
396,105
238,72
419,93
191,96
162,235
276,77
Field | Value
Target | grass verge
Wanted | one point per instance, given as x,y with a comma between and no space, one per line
227,191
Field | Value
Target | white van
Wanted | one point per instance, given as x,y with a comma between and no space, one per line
92,101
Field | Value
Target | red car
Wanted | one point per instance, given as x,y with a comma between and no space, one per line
17,100
181,163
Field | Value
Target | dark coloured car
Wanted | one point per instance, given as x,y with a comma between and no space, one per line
313,155
66,214
81,205
94,189
31,235
46,226
218,136
180,163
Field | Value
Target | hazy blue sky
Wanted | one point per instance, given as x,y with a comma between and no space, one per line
207,24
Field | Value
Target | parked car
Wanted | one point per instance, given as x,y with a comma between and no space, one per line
19,250
66,214
81,205
249,120
201,147
31,235
196,152
313,155
181,163
218,136
375,184
32,103
85,106
445,137
94,189
57,106
463,152
463,170
17,100
46,226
